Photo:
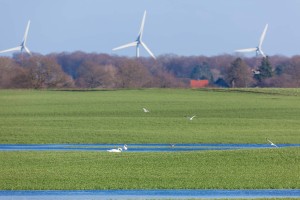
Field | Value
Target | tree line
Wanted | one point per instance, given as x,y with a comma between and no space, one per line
91,70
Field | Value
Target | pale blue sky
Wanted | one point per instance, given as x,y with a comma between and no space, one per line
182,27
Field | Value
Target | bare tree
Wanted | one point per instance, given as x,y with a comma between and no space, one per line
44,72
132,74
93,75
239,74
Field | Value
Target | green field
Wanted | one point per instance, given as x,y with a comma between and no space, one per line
223,116
239,169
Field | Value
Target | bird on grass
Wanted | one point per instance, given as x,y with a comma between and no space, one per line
272,144
191,118
145,110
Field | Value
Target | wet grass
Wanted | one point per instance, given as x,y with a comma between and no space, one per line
93,116
274,168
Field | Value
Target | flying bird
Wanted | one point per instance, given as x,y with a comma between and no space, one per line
191,118
22,46
118,150
138,41
257,49
145,110
272,144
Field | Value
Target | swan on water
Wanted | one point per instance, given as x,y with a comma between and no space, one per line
118,150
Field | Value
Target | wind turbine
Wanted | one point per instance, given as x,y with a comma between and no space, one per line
257,49
22,46
138,41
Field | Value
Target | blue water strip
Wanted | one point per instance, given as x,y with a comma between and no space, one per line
135,147
210,193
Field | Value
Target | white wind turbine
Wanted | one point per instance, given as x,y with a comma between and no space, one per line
138,41
257,49
22,46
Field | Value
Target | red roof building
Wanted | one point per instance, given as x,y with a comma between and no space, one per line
199,83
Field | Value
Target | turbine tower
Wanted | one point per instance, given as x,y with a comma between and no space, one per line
22,46
138,41
257,49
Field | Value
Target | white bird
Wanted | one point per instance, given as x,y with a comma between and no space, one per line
138,41
272,144
191,118
145,110
125,147
257,49
172,145
22,46
118,150
255,71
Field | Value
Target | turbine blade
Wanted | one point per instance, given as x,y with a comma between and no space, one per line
26,32
27,50
262,37
142,27
147,49
12,49
246,50
262,53
125,46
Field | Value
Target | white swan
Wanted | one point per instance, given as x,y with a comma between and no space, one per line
125,147
118,150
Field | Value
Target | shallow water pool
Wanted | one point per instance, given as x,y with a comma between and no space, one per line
135,147
144,194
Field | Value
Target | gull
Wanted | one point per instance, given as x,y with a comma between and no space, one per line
118,150
145,110
172,145
272,144
191,118
125,147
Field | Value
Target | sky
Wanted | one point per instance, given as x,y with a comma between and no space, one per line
181,27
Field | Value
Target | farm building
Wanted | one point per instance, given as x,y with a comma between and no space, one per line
199,83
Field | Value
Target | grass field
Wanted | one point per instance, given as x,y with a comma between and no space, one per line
239,169
223,116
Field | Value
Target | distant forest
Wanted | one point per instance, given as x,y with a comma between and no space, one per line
90,70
